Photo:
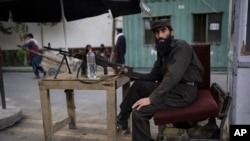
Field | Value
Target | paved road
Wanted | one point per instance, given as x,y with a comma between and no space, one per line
22,90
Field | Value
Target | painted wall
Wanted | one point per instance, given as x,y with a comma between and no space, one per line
142,56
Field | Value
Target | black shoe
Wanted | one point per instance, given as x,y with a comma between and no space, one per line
44,74
36,77
122,120
122,124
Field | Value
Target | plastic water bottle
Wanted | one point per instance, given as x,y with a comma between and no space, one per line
91,65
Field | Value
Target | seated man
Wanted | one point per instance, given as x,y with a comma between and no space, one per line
172,82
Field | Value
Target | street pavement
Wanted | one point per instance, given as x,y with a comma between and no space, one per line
21,90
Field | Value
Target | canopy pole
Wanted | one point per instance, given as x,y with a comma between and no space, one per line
64,26
113,39
42,40
1,82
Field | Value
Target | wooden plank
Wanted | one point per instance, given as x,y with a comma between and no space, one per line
73,76
191,139
46,113
77,85
111,115
60,124
122,80
69,81
71,108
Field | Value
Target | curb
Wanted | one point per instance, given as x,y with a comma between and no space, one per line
10,116
17,69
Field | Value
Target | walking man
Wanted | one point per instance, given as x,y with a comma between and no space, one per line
32,45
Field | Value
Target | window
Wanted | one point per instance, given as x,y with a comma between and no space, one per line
148,34
207,27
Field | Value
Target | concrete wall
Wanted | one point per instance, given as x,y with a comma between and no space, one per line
239,63
94,31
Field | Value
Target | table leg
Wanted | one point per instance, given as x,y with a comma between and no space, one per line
46,114
71,108
111,115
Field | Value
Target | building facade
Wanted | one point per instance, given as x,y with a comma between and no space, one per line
239,61
196,21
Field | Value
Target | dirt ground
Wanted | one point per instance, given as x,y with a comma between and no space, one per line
30,128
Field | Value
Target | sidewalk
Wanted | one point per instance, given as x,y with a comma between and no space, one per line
17,69
11,114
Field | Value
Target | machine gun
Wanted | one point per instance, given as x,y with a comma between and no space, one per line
65,54
100,60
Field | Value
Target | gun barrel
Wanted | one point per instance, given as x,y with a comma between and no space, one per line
59,50
100,60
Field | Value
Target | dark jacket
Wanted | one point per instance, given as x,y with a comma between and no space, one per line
31,45
172,71
120,49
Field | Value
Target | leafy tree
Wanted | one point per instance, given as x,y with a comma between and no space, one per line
5,30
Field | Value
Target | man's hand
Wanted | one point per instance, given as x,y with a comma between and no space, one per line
141,102
22,47
19,45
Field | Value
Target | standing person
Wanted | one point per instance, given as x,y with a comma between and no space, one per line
103,51
88,46
118,54
172,82
35,58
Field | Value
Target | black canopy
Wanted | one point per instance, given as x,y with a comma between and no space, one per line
51,10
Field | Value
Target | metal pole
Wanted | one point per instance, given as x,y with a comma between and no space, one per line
64,26
2,88
113,39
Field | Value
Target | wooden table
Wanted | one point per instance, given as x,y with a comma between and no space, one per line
69,82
